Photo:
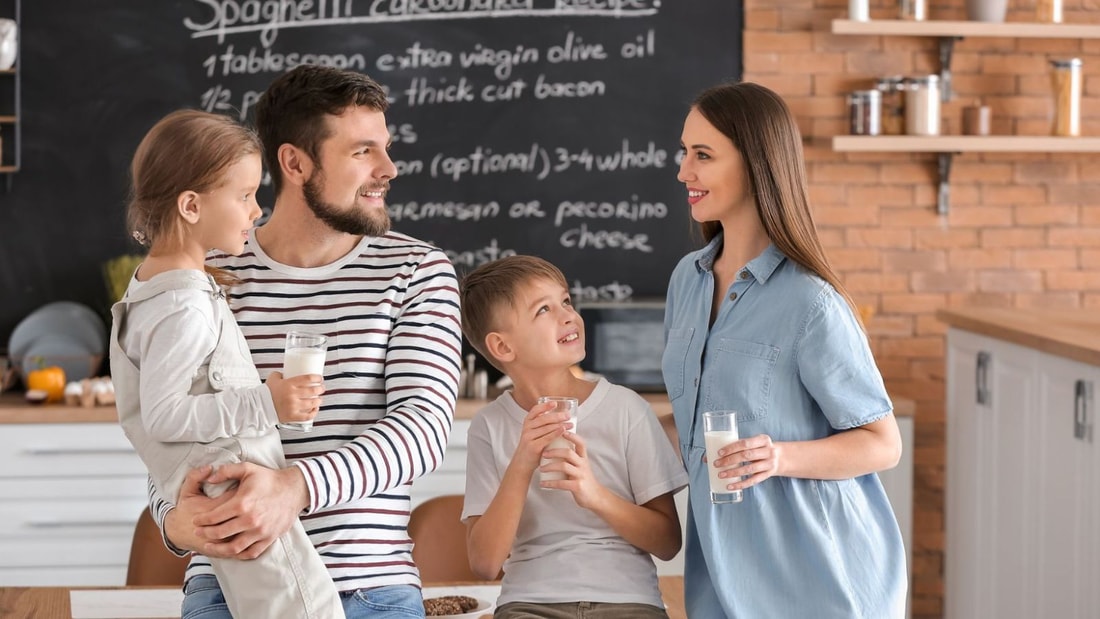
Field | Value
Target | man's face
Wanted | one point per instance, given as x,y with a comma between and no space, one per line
348,187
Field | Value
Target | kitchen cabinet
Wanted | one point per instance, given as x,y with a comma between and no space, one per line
1021,504
70,495
947,33
1067,489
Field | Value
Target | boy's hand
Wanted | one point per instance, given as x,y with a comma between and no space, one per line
539,428
587,490
297,398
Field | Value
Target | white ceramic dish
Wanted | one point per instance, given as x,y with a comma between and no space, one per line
78,322
485,596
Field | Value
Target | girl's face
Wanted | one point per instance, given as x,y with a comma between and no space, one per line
226,214
713,171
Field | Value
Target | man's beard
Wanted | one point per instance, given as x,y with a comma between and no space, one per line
370,222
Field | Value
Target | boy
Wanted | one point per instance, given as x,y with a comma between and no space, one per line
581,544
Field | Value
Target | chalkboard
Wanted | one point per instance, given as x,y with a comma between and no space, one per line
548,127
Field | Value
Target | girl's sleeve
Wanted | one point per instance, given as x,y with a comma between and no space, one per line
172,350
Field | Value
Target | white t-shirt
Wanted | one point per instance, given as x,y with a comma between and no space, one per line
562,552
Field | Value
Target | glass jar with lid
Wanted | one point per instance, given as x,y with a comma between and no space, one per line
893,104
922,105
1066,79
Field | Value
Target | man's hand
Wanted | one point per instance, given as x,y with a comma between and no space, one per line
262,507
178,524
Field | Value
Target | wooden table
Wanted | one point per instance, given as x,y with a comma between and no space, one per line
53,602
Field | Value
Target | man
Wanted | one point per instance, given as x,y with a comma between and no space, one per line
326,262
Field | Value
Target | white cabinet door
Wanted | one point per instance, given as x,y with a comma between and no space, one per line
966,409
991,393
1065,491
1008,544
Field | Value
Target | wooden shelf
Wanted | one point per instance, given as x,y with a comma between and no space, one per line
7,71
8,120
963,144
933,28
5,169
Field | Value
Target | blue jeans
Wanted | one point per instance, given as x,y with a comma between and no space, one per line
203,599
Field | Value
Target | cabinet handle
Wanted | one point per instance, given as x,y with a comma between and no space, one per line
1082,394
78,451
981,377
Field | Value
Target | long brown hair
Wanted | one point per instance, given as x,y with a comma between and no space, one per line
764,131
187,150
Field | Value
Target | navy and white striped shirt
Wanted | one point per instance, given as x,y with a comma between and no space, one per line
390,310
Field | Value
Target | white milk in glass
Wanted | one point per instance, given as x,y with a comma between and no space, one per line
568,405
716,440
298,361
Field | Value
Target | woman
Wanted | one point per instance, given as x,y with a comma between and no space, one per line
758,322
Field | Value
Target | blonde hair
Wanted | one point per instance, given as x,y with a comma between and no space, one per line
187,150
493,286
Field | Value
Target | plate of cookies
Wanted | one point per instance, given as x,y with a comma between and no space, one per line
468,602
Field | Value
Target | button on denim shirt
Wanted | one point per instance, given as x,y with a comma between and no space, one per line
787,351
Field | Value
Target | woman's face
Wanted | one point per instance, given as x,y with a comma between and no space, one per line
713,171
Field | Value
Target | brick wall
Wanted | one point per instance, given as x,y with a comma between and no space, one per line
1023,230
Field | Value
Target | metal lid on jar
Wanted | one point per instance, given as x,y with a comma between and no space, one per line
891,82
1066,63
923,80
871,96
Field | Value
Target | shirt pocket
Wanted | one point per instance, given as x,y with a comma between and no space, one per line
744,383
674,359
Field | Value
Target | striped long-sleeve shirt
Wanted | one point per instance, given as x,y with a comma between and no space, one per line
390,310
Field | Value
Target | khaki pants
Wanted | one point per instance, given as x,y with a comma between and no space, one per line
578,610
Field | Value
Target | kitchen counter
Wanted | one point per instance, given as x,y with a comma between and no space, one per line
1070,333
14,409
53,602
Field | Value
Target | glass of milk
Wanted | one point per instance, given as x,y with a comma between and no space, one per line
719,430
561,405
305,354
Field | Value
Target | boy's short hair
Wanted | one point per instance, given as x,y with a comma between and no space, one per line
493,285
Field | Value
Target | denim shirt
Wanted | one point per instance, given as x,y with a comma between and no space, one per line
786,350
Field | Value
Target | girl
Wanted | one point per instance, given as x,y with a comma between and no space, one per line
187,392
758,322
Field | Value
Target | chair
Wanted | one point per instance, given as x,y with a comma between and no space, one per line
439,540
151,564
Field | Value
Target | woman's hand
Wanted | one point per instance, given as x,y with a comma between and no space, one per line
755,459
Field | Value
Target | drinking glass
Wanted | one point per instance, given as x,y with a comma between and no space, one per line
719,430
305,354
561,405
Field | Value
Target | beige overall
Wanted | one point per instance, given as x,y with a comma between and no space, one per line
288,579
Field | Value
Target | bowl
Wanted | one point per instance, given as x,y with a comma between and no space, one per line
483,594
77,321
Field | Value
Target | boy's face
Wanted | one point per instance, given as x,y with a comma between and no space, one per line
543,329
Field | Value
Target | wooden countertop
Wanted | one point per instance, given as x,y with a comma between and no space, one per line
1074,334
14,409
53,602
